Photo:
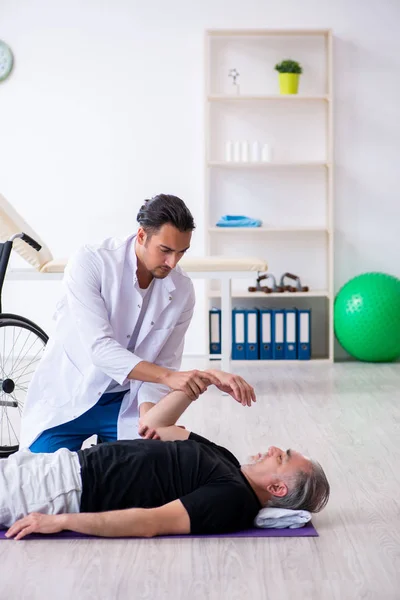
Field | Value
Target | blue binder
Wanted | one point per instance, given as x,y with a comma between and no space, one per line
251,334
290,350
214,320
238,334
304,334
266,333
278,345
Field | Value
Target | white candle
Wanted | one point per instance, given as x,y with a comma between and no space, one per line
255,152
266,154
245,151
236,151
229,151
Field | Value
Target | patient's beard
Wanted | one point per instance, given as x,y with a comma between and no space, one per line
253,460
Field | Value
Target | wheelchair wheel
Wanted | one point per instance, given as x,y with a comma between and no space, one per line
21,347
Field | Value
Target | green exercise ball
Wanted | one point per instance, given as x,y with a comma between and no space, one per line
367,317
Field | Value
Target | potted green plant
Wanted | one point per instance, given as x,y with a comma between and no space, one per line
289,74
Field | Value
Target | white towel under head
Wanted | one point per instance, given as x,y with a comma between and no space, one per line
280,518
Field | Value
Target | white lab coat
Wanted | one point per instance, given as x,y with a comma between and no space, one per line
95,319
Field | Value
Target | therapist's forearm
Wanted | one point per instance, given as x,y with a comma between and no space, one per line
148,372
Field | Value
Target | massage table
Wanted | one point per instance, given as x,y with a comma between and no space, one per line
43,266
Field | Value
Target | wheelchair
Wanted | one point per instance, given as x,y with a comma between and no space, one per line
22,344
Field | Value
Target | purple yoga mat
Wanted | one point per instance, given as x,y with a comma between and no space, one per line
307,531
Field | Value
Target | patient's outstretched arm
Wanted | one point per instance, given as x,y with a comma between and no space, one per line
166,412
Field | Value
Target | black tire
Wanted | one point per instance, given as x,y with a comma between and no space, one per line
17,334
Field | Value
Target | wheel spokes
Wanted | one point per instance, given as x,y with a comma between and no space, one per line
20,353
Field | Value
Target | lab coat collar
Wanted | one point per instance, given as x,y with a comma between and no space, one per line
161,297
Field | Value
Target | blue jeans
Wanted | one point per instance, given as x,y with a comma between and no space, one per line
101,419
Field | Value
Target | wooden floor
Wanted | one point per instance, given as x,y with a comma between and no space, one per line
348,417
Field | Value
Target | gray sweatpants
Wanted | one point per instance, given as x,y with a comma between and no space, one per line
46,483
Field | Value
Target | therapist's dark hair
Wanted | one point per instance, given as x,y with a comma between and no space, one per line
163,209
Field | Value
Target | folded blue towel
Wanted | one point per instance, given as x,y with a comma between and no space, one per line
238,221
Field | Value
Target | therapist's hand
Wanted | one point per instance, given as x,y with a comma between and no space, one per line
192,383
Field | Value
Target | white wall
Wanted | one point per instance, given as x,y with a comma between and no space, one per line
105,108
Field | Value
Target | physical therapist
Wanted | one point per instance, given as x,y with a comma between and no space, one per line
119,335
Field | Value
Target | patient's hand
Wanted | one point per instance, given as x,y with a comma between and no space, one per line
147,432
235,386
36,523
171,433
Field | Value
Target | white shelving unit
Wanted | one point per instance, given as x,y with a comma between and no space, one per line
265,230
244,294
266,165
293,193
279,97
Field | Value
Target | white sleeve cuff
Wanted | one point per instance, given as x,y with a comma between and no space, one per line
152,392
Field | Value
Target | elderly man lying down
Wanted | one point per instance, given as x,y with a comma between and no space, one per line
178,484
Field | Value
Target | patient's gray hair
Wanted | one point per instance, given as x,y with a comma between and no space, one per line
306,491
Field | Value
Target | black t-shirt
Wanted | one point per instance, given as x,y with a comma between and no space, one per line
150,473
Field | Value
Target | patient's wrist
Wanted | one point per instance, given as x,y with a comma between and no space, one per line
213,372
65,520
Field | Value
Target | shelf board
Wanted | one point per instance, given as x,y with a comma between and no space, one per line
248,363
265,32
247,294
261,230
267,97
267,165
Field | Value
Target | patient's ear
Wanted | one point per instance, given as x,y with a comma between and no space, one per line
278,489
